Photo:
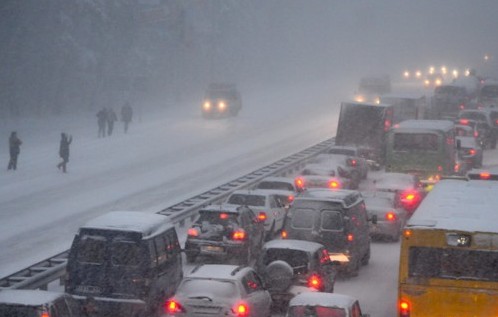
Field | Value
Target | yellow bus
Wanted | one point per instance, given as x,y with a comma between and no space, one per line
449,252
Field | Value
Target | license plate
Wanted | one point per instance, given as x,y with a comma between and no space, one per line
212,248
88,289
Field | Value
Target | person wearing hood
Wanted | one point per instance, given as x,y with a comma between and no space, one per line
64,151
14,150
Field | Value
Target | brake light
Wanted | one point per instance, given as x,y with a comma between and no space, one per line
315,281
476,134
283,234
193,232
239,235
387,125
462,106
472,152
484,175
223,216
391,216
404,309
325,257
299,183
407,233
290,198
173,307
456,168
496,122
350,237
464,121
241,310
45,314
440,168
334,184
262,216
353,162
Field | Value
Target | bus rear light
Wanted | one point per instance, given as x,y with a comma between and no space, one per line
407,233
404,309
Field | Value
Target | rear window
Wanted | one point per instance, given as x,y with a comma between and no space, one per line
303,218
247,200
91,249
415,142
217,288
217,218
125,253
453,264
316,311
297,259
19,311
331,220
276,185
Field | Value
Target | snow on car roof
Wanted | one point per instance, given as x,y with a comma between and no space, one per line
223,208
147,224
438,125
27,297
301,245
216,271
459,205
322,299
343,196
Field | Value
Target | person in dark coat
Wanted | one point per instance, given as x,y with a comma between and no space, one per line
126,115
101,121
111,118
14,149
64,151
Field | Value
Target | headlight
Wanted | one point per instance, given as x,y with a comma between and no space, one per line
359,98
206,106
427,82
438,82
222,106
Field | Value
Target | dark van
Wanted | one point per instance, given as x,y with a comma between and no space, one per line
335,218
130,262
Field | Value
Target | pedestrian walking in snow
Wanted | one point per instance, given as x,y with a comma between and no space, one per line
64,151
101,121
111,118
14,149
126,115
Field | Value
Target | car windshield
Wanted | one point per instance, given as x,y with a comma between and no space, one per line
208,288
91,249
316,311
217,218
415,142
125,253
247,200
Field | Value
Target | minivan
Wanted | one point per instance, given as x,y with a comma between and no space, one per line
338,220
130,262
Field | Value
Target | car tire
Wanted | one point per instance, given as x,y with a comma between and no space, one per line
278,275
366,258
354,268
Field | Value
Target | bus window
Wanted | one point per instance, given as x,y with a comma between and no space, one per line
415,142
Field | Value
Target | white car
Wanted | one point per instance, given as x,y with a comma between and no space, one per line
220,290
269,202
277,182
390,220
318,304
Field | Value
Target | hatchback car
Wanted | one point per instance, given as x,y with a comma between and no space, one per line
279,183
220,290
225,232
336,171
37,303
272,204
355,157
289,267
469,151
408,189
324,305
390,220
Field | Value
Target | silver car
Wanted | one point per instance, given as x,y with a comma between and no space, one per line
220,290
390,220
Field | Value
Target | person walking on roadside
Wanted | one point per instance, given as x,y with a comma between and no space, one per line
14,149
111,118
101,120
126,115
64,151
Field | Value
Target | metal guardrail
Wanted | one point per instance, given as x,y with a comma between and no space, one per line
39,275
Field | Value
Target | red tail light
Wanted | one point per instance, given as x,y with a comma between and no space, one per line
456,168
45,314
464,121
404,309
350,237
391,216
239,235
387,125
283,234
496,122
462,106
290,198
472,152
262,216
484,175
241,310
315,281
299,183
193,232
440,168
476,134
173,307
223,216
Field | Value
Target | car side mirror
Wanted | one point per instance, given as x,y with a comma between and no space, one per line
373,219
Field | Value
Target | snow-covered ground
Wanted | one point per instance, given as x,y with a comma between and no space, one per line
169,154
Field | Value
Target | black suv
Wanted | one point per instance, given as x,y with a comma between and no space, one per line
226,231
338,220
289,267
